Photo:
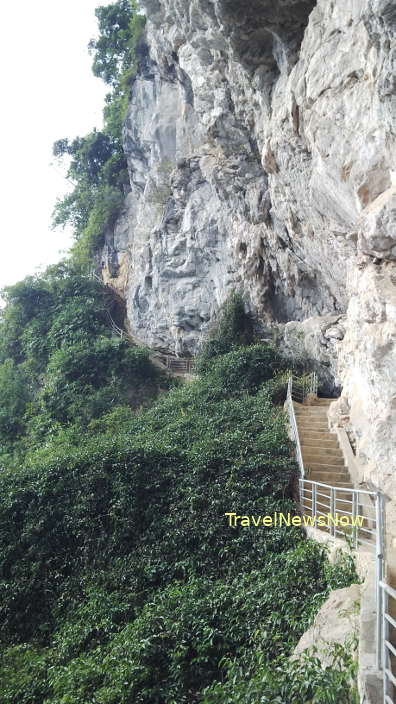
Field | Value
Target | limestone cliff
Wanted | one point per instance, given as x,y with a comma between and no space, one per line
261,145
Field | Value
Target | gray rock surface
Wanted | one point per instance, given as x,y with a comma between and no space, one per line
261,148
337,621
315,343
257,135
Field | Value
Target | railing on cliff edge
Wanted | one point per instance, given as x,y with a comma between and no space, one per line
316,494
388,649
176,365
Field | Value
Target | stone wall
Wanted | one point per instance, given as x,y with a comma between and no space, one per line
261,145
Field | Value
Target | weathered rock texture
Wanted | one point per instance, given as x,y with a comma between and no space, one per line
261,146
337,622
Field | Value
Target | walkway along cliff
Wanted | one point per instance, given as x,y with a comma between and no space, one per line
260,142
327,494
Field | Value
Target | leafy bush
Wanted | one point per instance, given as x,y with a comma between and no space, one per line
23,675
285,681
234,328
58,363
244,370
178,642
84,381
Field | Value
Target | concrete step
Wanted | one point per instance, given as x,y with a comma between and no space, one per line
318,402
322,442
327,464
314,440
327,446
332,475
314,418
300,408
342,503
305,426
321,432
323,454
304,420
331,470
339,472
324,464
335,483
323,503
317,474
338,481
342,507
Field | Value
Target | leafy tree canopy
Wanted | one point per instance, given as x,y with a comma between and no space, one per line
97,166
113,50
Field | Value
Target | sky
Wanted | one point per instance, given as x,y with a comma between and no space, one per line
48,92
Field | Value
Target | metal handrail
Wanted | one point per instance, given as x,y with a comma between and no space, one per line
340,502
309,493
294,427
309,386
176,364
388,649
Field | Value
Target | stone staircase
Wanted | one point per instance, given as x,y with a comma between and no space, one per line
322,455
321,461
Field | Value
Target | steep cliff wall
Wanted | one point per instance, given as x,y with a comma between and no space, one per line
261,141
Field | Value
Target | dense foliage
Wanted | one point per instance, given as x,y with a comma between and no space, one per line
285,681
59,365
121,580
233,328
97,166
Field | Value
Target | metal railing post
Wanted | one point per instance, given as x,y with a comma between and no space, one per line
355,527
301,483
379,575
385,632
332,510
314,490
294,427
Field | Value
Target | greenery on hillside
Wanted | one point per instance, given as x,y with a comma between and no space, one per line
59,366
121,581
234,328
96,162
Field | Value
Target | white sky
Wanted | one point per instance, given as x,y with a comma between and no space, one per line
47,92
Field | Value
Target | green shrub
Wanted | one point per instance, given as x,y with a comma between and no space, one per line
23,675
14,397
59,364
286,681
177,644
234,328
243,370
102,216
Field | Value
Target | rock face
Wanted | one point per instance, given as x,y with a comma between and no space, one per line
336,622
261,148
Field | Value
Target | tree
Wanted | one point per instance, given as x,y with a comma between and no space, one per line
97,164
113,50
